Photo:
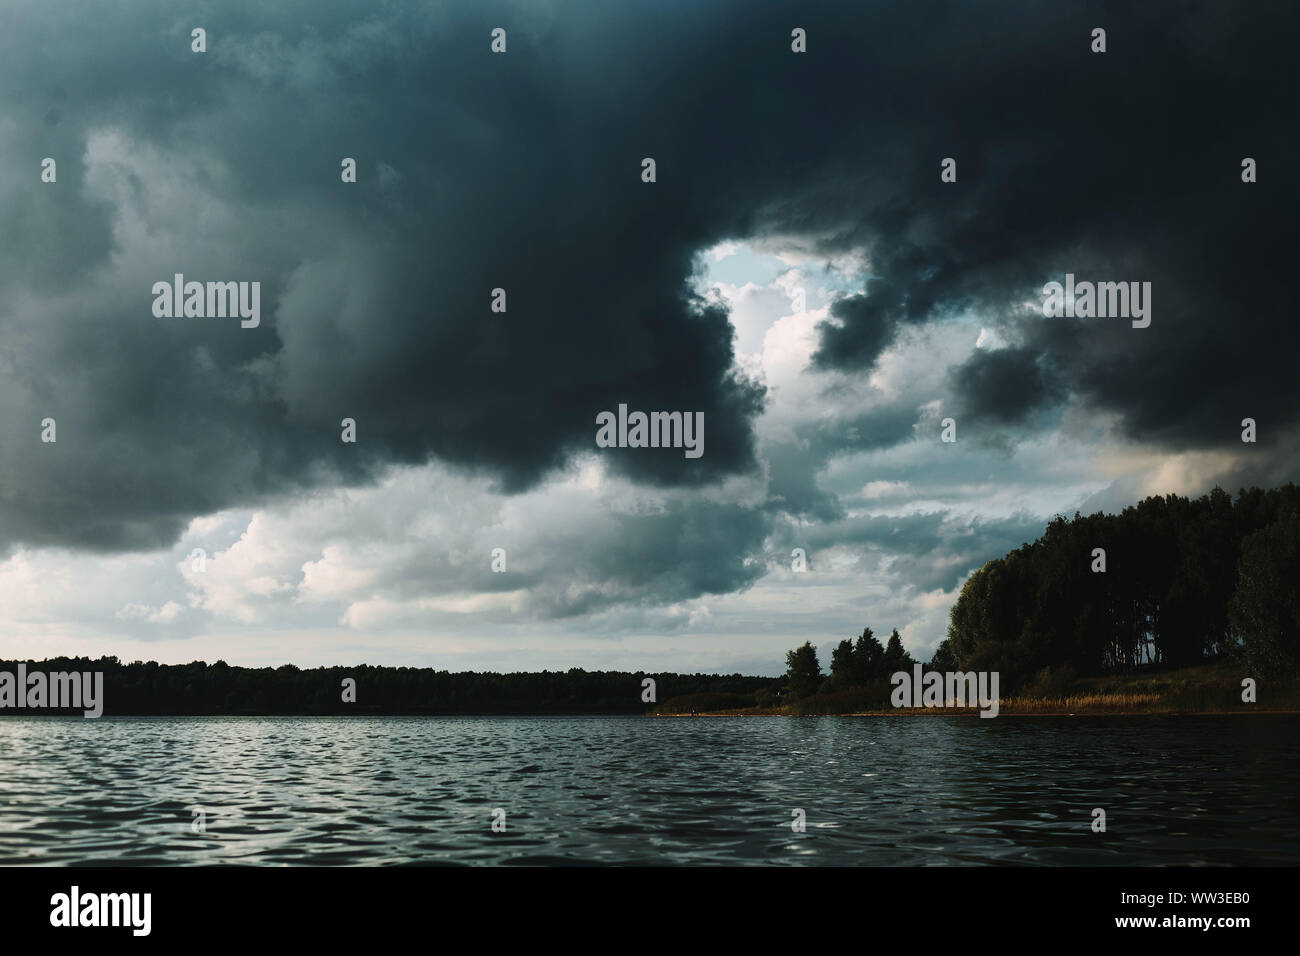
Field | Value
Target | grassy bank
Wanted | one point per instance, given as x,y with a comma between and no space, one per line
1209,689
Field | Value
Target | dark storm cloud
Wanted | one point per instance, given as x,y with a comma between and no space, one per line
522,172
477,172
1003,386
1115,166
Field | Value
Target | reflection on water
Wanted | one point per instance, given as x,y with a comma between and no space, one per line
877,791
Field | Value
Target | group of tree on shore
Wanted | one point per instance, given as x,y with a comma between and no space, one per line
1169,582
853,664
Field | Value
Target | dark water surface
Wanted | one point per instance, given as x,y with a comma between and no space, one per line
878,790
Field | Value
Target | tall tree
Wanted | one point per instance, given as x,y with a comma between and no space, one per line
943,659
868,658
803,670
896,657
842,665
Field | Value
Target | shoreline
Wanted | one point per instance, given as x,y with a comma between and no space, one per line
967,712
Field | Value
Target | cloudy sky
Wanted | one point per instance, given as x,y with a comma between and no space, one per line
798,272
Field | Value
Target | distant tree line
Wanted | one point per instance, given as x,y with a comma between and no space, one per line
1171,581
201,689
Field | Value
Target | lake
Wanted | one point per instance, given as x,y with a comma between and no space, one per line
910,790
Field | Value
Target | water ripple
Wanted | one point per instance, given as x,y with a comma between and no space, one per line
596,790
